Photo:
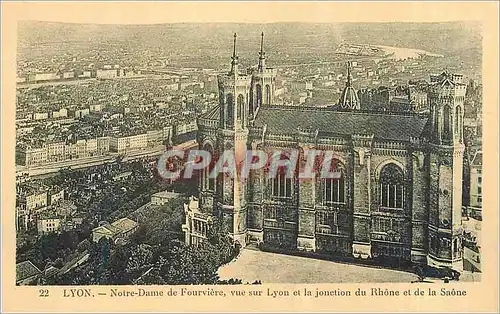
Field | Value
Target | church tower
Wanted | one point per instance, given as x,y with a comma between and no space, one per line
349,98
234,94
232,136
263,83
446,99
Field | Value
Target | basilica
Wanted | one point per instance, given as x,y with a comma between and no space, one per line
399,194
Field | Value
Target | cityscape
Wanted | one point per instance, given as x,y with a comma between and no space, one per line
98,106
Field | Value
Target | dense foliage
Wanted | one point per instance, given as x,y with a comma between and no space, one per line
54,248
154,254
168,261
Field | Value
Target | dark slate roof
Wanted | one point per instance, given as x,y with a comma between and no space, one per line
185,137
382,125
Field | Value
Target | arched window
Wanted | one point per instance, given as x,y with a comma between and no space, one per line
436,121
447,123
241,106
268,95
433,244
230,109
258,91
458,121
281,185
392,187
250,103
207,182
334,188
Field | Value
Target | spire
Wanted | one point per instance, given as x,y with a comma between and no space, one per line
234,46
262,43
349,75
349,98
234,58
262,54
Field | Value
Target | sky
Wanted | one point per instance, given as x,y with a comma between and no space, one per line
251,12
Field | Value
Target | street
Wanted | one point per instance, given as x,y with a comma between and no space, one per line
88,162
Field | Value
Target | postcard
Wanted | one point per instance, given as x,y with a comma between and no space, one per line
249,156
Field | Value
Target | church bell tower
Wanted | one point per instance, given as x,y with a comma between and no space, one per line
446,99
263,83
232,136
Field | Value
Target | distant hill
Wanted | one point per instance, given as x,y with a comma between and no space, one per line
455,38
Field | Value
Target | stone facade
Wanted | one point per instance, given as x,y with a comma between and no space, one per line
399,195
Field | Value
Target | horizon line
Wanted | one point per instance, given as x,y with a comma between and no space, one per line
478,22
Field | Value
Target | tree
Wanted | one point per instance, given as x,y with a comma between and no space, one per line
68,239
140,258
218,236
102,260
58,263
118,266
140,235
165,260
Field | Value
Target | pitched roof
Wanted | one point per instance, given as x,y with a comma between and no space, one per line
381,125
26,270
75,262
124,224
106,229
